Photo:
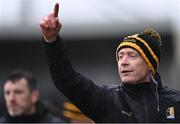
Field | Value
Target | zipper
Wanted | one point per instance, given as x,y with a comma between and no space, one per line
126,113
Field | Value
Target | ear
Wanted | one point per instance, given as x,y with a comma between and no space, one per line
34,96
150,72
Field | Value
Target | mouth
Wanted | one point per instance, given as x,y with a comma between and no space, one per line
13,106
126,71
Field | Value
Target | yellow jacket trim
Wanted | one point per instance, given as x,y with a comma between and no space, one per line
70,106
74,116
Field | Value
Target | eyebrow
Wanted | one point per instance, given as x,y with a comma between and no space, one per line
128,52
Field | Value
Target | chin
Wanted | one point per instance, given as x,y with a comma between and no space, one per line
14,114
128,81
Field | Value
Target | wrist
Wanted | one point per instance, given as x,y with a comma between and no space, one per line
49,40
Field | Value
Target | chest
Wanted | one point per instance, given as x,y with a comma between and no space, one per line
141,108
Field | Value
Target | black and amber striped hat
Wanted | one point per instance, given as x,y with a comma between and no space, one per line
148,44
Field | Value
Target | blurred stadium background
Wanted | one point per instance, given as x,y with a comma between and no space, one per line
91,31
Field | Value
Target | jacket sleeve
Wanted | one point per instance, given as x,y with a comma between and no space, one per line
82,92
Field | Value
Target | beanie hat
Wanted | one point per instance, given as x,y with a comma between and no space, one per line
147,44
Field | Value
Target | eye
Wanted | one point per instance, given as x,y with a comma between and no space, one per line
7,92
120,56
18,92
132,55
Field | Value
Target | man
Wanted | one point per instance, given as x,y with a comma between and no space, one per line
141,98
22,100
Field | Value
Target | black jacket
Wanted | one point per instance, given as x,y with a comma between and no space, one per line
126,103
42,115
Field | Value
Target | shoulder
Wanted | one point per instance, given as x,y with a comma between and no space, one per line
55,119
3,119
170,93
50,118
114,90
111,88
46,115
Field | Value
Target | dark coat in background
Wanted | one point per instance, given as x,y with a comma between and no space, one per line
42,115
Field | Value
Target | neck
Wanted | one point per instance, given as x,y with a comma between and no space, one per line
32,110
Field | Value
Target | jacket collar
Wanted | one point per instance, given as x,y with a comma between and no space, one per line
40,111
144,85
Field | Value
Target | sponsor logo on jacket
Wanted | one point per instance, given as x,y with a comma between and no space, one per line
170,113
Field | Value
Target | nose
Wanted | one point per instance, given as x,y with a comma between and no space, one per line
12,97
124,60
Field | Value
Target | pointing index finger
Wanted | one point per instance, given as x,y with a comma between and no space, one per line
56,10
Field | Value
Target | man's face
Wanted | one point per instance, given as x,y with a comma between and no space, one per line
132,67
19,99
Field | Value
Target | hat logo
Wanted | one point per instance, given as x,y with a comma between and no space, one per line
130,40
170,113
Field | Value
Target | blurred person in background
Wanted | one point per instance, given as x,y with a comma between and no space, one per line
140,98
22,100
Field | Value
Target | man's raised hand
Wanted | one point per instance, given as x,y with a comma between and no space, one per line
50,25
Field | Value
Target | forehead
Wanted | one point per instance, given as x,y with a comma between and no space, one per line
127,50
18,84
